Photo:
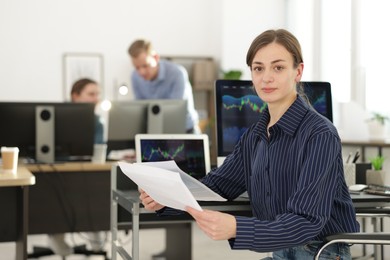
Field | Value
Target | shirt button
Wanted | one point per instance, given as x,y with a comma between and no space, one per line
268,193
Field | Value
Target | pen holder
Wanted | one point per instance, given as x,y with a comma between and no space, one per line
361,169
350,173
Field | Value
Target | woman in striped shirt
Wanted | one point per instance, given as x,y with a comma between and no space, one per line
289,162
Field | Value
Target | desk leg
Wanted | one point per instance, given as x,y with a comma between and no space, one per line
377,248
22,222
135,223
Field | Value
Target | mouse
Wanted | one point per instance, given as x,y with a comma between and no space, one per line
357,187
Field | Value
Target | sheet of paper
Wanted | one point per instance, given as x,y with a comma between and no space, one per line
200,191
165,187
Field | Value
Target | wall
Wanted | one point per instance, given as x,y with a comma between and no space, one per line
36,34
242,22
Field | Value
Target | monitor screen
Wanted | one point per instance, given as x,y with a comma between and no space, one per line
238,107
320,97
128,118
73,125
189,151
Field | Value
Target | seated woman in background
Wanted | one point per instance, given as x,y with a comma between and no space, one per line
87,90
83,90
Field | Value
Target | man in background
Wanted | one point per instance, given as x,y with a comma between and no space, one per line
155,78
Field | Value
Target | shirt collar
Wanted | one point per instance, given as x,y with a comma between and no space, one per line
290,120
161,71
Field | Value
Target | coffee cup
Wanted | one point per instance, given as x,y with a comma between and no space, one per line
9,157
99,153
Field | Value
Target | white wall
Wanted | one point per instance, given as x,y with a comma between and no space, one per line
242,22
36,34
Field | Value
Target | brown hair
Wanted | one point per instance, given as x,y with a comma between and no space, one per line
140,46
79,86
282,37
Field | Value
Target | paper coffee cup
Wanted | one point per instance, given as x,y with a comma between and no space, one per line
9,156
99,153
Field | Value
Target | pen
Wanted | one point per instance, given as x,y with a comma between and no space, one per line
349,157
356,157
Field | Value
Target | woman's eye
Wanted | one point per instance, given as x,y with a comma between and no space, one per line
278,68
257,68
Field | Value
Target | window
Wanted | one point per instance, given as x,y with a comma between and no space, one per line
375,53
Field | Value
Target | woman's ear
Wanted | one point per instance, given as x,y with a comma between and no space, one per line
299,72
73,97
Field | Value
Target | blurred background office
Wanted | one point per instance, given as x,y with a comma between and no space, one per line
45,44
343,41
43,41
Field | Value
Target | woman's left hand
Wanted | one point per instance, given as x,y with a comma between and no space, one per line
216,225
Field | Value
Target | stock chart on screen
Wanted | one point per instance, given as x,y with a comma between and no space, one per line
188,154
238,107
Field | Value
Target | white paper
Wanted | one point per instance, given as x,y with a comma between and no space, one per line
165,185
200,191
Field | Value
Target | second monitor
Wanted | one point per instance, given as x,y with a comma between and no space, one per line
238,107
157,116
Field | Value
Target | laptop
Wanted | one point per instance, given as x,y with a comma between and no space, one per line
189,151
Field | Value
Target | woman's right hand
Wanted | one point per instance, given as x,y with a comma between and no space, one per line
149,202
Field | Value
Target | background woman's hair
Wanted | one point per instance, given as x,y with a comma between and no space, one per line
80,84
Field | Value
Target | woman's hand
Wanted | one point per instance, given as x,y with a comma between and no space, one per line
216,225
148,202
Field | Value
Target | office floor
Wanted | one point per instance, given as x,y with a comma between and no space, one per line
152,242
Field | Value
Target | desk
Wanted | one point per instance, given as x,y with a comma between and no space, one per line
177,248
69,197
14,191
75,197
178,240
130,201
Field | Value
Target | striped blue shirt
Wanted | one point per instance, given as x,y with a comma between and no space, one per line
294,179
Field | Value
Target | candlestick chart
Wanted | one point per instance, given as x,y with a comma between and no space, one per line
188,154
239,113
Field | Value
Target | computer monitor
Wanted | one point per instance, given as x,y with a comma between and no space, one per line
238,107
64,130
155,116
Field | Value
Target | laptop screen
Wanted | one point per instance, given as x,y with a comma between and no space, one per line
190,152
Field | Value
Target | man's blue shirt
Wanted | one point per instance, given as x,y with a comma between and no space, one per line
171,83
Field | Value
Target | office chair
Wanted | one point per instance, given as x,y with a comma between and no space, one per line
355,238
377,237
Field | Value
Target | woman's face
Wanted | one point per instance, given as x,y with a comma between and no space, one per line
90,94
274,75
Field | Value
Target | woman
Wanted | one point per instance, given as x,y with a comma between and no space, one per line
290,164
87,91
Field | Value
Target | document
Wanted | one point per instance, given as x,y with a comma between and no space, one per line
167,184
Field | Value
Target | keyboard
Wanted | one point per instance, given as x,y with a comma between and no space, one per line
378,189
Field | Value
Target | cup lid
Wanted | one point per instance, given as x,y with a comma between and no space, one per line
9,149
